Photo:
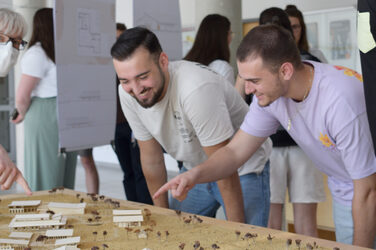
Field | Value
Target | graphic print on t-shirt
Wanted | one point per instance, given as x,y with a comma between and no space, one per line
184,132
350,72
326,141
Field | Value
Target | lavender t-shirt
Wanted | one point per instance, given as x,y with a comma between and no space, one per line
330,125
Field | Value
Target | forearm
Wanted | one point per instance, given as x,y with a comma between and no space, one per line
231,192
364,216
23,104
155,175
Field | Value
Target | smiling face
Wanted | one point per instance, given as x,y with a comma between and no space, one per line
260,81
143,76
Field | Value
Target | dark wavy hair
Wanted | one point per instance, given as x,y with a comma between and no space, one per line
43,31
292,11
133,38
211,41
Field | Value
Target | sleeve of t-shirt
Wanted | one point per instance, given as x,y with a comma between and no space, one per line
138,129
224,69
34,62
206,109
355,145
259,122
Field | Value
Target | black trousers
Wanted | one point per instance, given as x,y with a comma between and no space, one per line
128,154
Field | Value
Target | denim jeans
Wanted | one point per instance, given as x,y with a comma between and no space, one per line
205,199
343,221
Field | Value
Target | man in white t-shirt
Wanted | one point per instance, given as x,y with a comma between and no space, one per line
322,107
191,112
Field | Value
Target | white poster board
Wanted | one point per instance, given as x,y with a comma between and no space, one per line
163,18
84,34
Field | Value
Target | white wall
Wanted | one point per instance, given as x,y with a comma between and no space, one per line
6,4
252,8
124,12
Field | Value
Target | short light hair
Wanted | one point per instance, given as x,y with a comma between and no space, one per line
12,23
274,44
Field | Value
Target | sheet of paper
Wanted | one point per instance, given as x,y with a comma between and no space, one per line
163,18
84,34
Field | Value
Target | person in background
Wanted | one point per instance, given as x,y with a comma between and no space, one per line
367,48
191,112
36,94
128,152
91,173
12,29
300,33
323,109
211,46
290,168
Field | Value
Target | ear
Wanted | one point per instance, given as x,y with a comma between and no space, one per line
286,71
163,61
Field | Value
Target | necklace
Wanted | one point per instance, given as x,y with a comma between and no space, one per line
304,97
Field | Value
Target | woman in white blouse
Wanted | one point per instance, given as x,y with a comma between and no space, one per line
211,46
36,94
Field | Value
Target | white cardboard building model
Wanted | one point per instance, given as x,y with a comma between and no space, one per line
59,233
13,244
35,222
67,208
67,248
126,212
128,221
21,235
23,206
71,241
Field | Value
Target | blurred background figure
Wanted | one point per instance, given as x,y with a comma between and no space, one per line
12,29
128,152
36,94
211,45
300,34
367,48
91,173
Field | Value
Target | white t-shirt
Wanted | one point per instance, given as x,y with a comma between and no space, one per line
224,69
330,125
36,63
199,109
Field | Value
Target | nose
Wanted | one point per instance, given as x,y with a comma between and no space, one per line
249,88
132,88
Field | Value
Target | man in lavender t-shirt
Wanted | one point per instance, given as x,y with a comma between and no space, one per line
323,109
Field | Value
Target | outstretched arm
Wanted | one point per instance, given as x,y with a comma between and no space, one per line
9,173
364,211
223,163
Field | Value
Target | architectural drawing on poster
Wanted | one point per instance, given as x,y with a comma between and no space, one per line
85,32
89,38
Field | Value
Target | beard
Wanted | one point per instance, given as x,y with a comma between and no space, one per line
157,95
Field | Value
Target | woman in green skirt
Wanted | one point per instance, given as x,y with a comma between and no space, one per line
36,94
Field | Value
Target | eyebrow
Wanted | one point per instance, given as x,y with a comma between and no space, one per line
141,74
248,79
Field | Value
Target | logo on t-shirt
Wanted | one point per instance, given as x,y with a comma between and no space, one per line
350,72
326,141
